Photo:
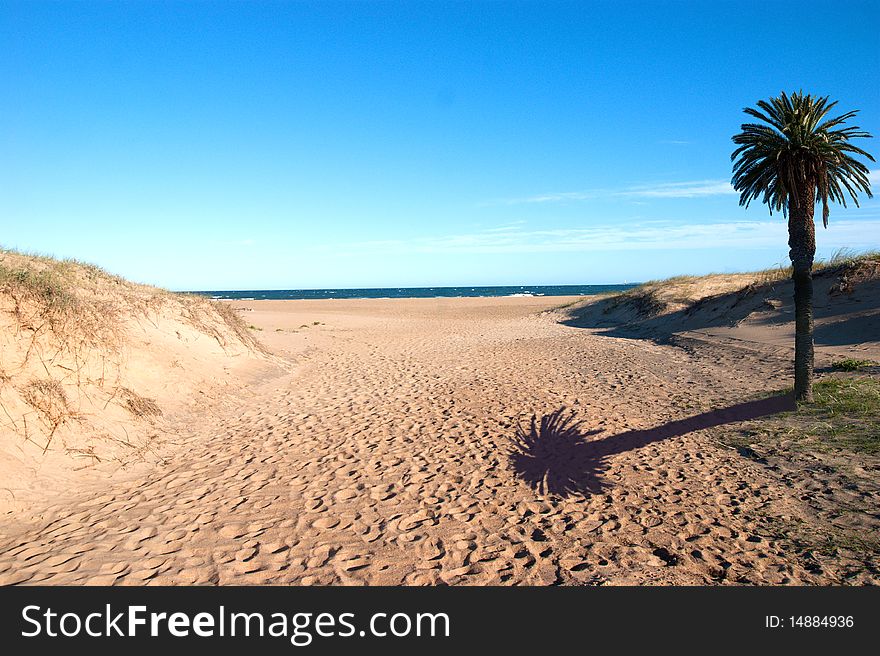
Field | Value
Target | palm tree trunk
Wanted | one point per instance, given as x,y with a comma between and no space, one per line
802,245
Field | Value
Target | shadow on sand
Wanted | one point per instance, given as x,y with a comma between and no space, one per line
554,455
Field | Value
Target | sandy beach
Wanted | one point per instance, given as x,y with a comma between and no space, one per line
519,321
469,441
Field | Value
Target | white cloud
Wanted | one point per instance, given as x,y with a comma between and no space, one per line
513,225
557,197
683,189
691,189
645,236
874,178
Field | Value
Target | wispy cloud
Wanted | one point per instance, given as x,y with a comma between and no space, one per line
558,197
682,189
513,225
644,236
690,189
674,142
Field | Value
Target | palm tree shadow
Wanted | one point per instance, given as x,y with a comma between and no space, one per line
554,455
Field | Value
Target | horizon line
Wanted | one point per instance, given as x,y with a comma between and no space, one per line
472,286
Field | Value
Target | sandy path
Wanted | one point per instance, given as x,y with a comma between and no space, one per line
383,459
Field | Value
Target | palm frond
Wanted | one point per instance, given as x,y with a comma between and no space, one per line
795,153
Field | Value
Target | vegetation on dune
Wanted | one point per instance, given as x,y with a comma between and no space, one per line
843,416
82,306
42,286
236,324
69,329
48,398
853,364
644,299
43,297
563,306
139,406
831,444
792,160
688,293
845,413
843,260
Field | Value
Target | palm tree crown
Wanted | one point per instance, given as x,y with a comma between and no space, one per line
798,156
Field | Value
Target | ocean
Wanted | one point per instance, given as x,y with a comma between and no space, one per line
415,292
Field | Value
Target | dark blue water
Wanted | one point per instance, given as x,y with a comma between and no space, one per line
416,292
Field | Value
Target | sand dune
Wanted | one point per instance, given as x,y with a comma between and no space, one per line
750,310
96,373
443,441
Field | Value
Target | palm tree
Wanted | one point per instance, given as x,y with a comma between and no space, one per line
793,160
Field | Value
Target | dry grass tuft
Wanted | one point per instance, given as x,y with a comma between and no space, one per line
217,319
689,293
48,398
644,300
82,306
139,406
852,271
90,363
44,296
236,324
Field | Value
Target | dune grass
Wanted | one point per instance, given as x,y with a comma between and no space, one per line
83,306
139,406
45,287
71,324
844,416
842,259
48,398
656,297
845,413
853,364
834,441
44,297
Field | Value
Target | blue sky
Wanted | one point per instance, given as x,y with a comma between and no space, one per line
296,145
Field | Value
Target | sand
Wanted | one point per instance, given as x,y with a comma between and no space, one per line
401,443
743,312
100,381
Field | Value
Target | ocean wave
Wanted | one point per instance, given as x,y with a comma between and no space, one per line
518,291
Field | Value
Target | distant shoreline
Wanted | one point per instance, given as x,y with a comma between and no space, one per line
475,291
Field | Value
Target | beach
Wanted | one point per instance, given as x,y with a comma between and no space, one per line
442,441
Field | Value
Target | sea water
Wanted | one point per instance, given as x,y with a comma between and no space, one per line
415,292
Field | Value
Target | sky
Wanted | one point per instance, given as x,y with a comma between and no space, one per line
292,145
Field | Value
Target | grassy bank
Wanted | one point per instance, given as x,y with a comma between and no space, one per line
828,452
